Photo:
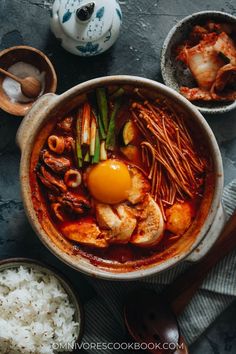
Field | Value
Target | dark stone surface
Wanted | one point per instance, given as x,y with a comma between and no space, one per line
146,23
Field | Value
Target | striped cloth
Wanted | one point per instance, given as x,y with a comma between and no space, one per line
104,321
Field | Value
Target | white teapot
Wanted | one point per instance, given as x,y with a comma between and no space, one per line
86,28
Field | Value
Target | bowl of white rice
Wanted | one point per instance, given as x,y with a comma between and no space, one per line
40,313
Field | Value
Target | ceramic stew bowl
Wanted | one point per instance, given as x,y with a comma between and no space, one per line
31,137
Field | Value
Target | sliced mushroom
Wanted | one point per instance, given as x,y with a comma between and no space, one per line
73,178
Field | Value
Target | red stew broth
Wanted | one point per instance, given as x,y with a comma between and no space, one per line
128,252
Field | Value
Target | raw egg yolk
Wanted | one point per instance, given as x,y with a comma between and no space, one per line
109,181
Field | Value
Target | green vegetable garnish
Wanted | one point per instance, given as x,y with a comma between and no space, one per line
103,152
78,139
96,157
101,128
118,93
111,137
87,157
103,106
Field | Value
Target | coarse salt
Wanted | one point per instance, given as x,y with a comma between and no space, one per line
13,88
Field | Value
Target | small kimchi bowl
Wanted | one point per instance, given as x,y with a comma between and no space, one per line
175,73
32,136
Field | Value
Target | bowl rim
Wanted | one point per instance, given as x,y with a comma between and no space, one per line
54,82
165,46
9,263
24,175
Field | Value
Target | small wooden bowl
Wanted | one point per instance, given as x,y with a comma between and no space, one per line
31,56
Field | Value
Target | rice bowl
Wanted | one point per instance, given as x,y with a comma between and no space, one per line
38,310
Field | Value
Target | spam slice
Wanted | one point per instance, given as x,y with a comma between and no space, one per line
86,233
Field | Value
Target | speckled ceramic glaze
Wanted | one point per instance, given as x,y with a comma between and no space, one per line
31,137
86,28
174,73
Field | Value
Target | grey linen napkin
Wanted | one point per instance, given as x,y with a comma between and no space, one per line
104,321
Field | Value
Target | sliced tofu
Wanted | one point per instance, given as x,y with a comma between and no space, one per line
150,228
123,233
139,187
118,222
86,233
106,217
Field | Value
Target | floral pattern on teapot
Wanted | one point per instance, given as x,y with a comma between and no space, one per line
83,33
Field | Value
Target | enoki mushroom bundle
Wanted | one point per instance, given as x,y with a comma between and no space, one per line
175,167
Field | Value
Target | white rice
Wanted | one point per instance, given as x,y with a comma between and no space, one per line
35,313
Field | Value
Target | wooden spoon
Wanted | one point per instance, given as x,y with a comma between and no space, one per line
30,86
149,319
162,325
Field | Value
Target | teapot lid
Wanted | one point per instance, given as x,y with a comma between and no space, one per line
86,20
